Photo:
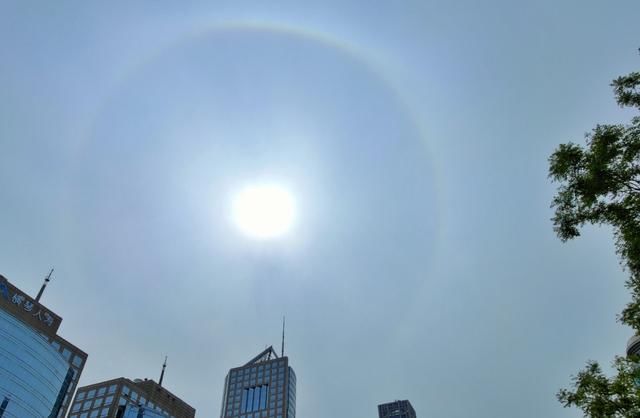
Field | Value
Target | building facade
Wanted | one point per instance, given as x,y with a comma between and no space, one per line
32,372
265,387
77,359
633,346
124,398
396,409
39,370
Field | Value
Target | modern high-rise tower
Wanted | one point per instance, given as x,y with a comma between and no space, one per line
264,387
39,370
396,409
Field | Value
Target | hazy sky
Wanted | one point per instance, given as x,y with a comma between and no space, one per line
414,136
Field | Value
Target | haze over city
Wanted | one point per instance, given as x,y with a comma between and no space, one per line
402,149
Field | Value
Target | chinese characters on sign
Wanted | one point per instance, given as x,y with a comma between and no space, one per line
28,306
17,299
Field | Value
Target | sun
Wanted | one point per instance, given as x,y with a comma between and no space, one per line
263,211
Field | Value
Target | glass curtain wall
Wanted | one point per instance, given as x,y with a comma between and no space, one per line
32,372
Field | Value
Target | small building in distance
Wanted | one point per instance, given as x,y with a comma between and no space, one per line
633,346
39,370
125,398
396,409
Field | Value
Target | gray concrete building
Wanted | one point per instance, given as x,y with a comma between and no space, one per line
125,398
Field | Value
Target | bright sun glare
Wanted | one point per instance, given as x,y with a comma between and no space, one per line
263,211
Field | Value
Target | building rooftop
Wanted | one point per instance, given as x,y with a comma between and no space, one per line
152,391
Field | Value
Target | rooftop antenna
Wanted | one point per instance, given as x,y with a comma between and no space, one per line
164,366
46,280
282,348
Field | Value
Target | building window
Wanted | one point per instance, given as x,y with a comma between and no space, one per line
254,399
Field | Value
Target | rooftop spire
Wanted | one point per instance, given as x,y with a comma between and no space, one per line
164,366
282,347
46,280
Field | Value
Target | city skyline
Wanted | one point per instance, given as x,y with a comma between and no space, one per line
408,143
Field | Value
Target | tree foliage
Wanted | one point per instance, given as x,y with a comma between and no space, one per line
601,397
599,183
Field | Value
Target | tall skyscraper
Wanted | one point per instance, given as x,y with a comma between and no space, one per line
264,387
39,370
124,398
396,409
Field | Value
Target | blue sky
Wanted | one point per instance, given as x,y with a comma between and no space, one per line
414,136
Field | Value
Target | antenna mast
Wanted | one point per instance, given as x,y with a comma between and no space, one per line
46,280
164,366
282,347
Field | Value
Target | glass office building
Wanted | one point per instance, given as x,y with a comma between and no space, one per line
38,369
396,409
265,387
76,358
34,377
